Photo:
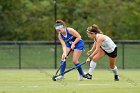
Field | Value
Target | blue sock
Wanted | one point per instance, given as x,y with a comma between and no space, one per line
63,66
80,70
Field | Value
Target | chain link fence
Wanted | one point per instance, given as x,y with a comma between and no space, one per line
33,54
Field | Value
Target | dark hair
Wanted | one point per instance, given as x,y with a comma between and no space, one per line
94,28
60,22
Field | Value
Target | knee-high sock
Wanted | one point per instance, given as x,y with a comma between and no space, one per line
115,70
79,68
92,67
63,66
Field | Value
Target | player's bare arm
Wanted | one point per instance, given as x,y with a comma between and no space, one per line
98,44
92,49
63,45
75,34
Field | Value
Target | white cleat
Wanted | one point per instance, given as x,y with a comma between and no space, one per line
80,78
59,78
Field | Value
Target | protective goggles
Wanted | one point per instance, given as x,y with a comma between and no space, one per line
59,27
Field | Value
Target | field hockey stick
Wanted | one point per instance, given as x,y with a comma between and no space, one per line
75,67
62,62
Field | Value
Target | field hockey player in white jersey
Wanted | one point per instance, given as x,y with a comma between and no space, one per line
69,39
103,45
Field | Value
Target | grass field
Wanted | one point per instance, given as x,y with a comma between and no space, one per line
39,81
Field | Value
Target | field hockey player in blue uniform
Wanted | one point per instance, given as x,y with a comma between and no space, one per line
69,39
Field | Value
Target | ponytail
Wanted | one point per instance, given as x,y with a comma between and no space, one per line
94,28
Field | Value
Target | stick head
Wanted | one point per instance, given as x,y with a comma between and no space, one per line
53,78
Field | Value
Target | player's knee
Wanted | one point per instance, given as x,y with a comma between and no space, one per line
74,60
94,59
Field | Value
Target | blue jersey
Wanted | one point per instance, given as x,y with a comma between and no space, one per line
70,38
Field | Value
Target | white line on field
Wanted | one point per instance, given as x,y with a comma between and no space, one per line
19,86
35,86
87,84
93,84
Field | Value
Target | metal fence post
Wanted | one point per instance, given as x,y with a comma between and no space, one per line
19,56
55,38
123,64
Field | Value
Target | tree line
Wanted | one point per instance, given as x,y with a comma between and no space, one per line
22,20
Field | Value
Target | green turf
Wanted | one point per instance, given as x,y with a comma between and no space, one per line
39,81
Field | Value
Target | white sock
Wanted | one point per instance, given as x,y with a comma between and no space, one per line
92,67
115,70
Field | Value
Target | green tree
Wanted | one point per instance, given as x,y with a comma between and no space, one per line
34,19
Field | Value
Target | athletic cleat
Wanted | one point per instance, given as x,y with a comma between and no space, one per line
59,78
88,76
116,77
84,76
80,77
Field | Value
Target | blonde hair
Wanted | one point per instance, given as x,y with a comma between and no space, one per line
94,28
